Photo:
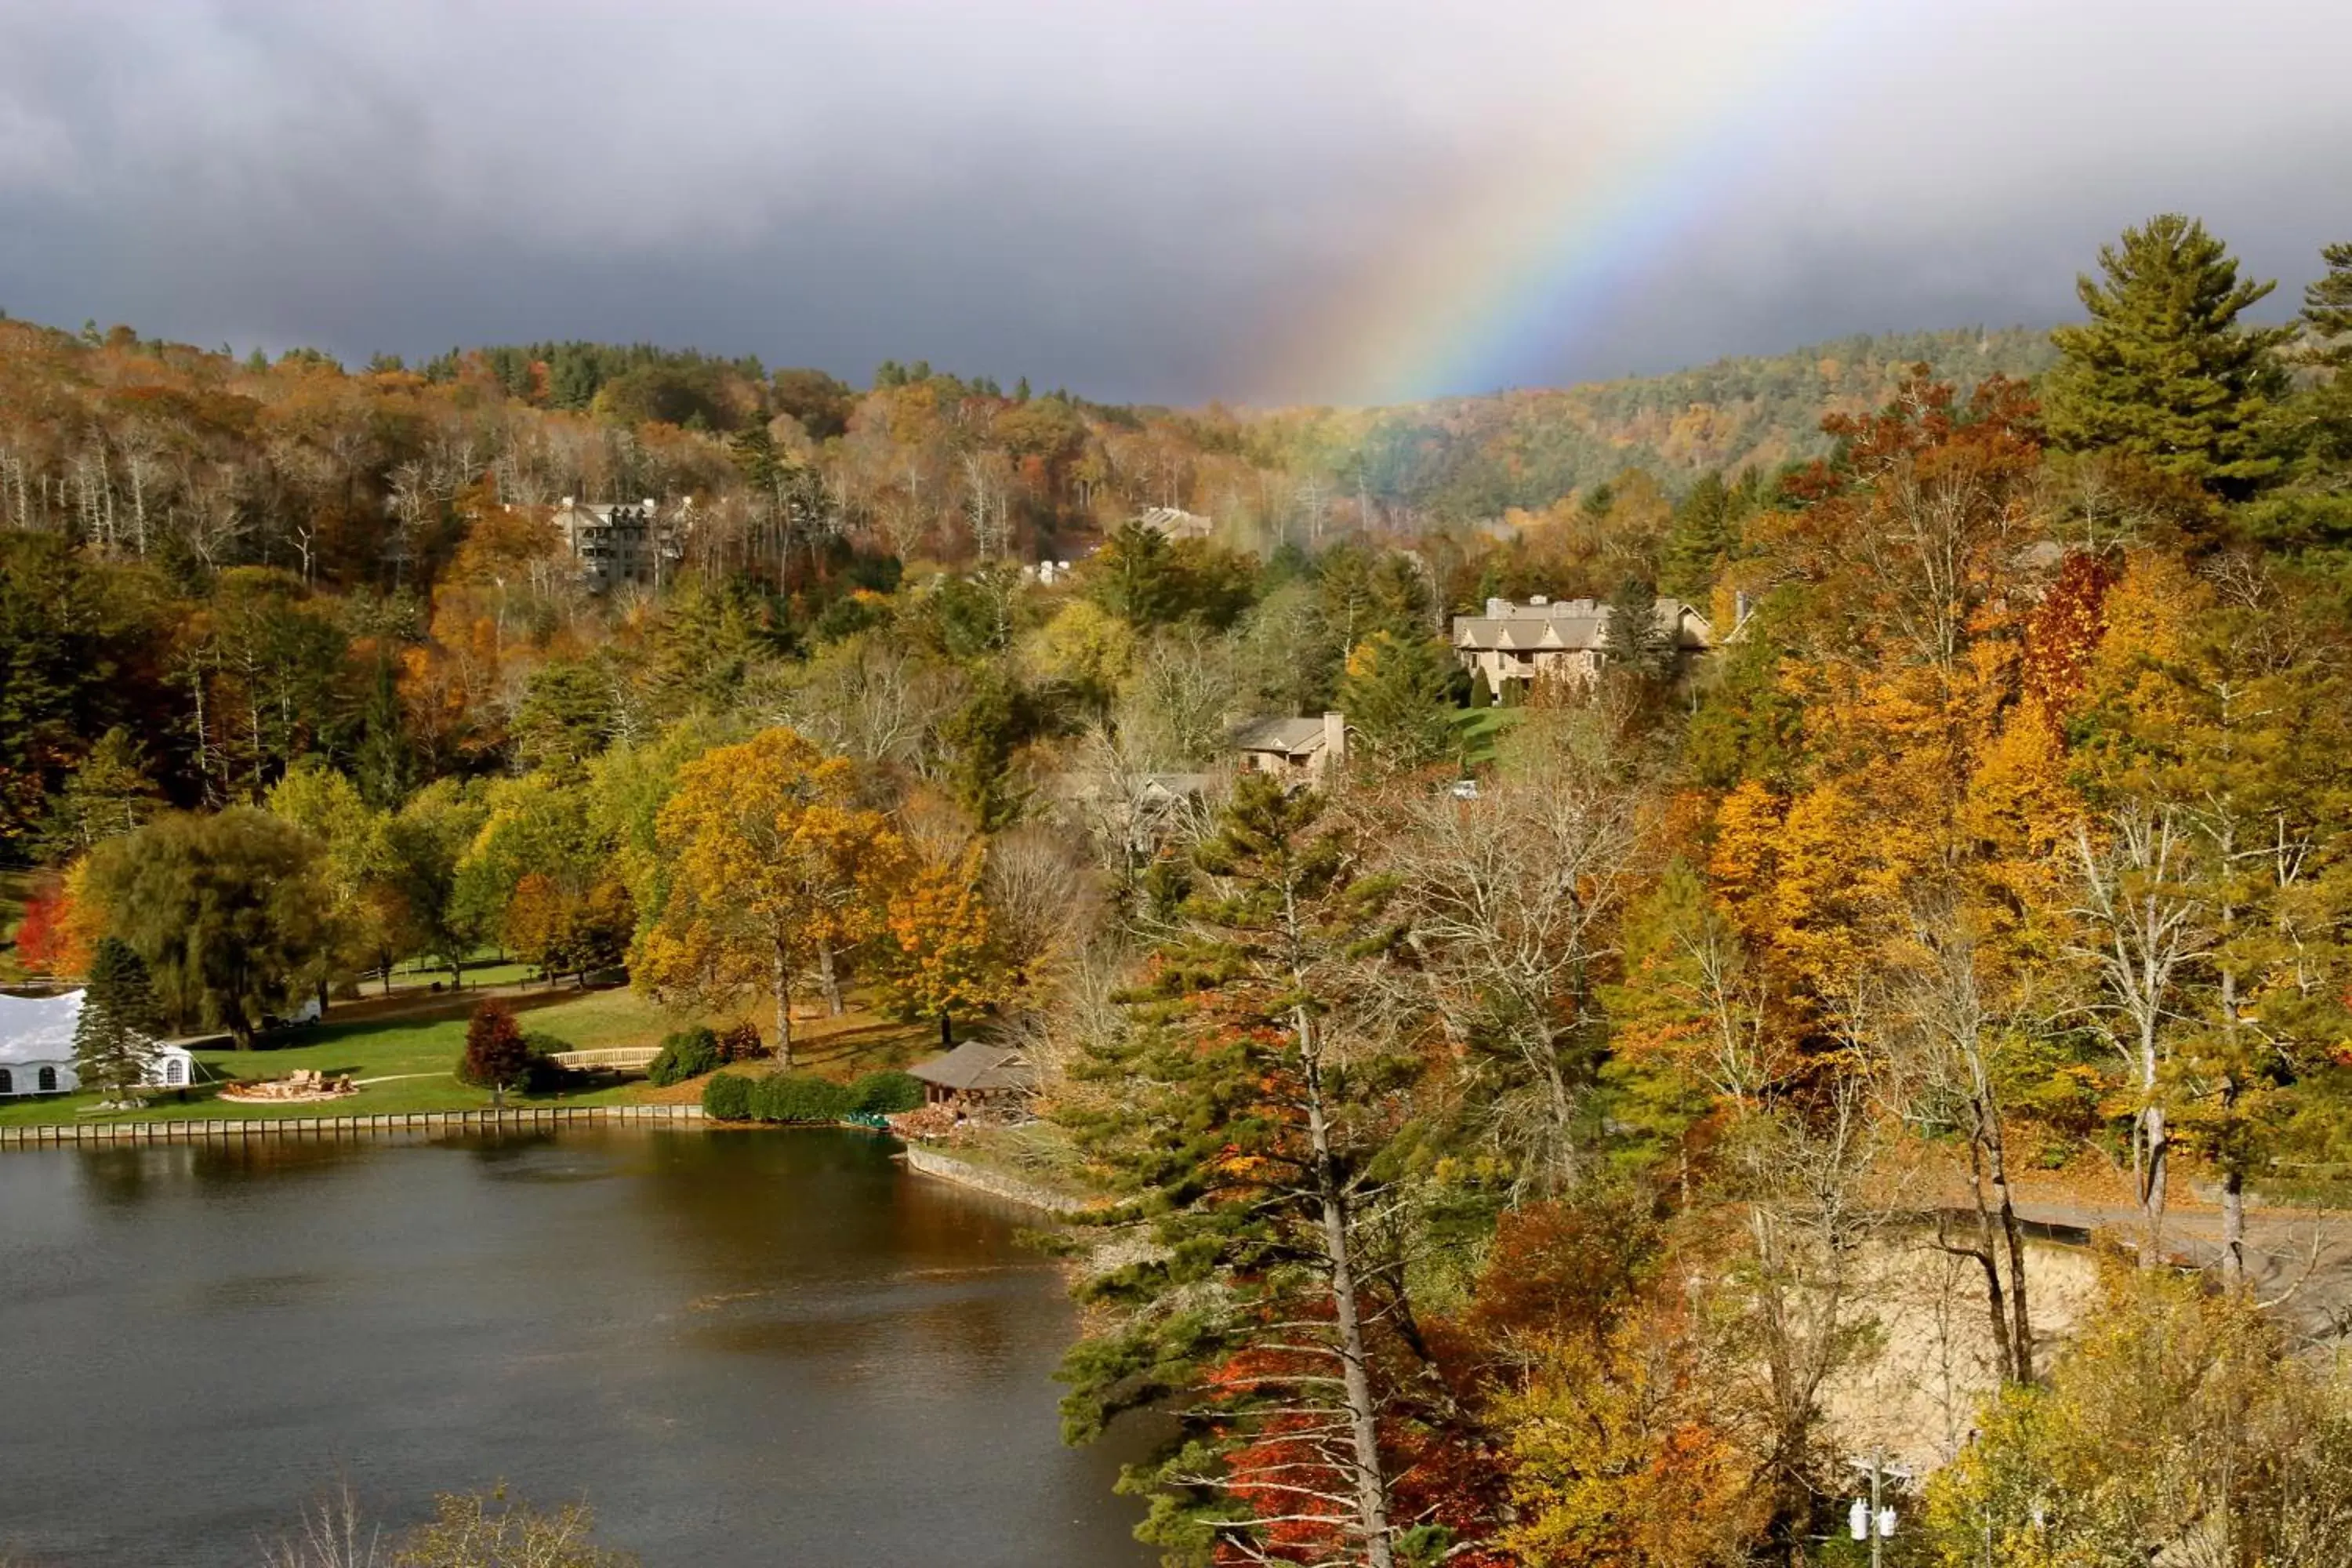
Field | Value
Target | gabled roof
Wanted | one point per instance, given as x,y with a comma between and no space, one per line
974,1066
1291,737
1571,625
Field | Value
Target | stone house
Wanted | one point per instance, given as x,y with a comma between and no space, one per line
1564,639
1302,751
616,541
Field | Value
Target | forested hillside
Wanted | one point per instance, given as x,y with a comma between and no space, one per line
1575,1129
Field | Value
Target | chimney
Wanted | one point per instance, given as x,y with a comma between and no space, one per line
567,504
1498,608
1538,600
1334,740
649,506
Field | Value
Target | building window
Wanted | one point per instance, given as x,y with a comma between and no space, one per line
175,1072
7,1081
48,1080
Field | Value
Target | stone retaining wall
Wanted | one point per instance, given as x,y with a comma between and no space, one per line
201,1130
948,1168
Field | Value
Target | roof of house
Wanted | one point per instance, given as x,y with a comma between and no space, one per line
38,1028
1569,625
1291,737
974,1066
1176,522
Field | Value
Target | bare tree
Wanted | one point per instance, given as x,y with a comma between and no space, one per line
1942,1026
1511,898
2142,924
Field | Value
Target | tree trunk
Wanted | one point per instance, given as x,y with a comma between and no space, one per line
1995,1301
1370,1479
829,980
2233,1231
2013,1233
2151,1197
783,984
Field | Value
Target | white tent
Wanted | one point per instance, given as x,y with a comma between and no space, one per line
36,1048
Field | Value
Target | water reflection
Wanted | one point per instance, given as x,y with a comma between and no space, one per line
743,1347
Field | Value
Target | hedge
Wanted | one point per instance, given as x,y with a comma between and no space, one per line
687,1054
726,1097
880,1093
796,1096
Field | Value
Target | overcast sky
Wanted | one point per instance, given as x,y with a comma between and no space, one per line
1259,200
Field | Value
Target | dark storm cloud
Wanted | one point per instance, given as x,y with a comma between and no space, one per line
1137,200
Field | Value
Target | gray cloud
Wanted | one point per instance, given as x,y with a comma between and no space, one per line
1172,200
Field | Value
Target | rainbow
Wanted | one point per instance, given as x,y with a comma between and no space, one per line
1538,252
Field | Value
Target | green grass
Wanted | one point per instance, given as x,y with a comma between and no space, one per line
1480,728
418,1055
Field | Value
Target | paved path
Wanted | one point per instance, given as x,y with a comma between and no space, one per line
2300,1258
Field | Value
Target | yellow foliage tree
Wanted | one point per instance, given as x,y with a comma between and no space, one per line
1619,1458
770,851
936,954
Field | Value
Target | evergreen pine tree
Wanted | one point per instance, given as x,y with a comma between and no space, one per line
382,766
2327,307
2165,370
1704,532
754,451
1634,641
1398,698
1246,1112
2326,409
114,1039
1482,691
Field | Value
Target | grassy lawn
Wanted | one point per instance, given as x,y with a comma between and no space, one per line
414,1058
1480,728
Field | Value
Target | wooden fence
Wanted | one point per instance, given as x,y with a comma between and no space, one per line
223,1129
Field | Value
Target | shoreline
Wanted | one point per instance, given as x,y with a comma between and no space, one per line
209,1129
926,1161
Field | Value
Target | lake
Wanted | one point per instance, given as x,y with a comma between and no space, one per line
738,1347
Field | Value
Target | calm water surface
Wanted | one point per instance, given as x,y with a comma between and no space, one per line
741,1348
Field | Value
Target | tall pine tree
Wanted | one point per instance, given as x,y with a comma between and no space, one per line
1705,527
2165,370
1245,1111
2327,307
114,1039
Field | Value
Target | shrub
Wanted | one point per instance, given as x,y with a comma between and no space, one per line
728,1098
798,1096
689,1053
880,1093
497,1055
741,1043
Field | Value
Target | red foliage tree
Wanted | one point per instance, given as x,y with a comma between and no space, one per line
496,1056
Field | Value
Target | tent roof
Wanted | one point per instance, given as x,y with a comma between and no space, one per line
38,1028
